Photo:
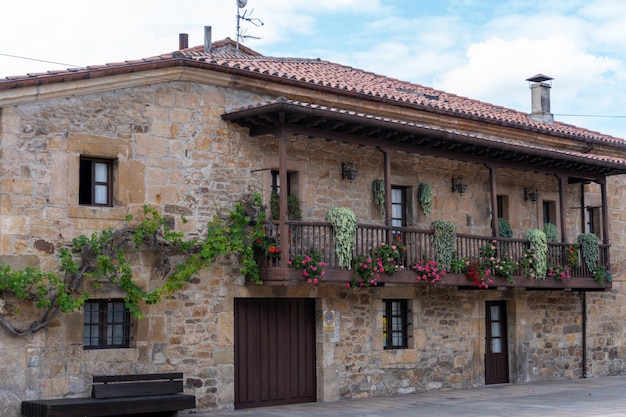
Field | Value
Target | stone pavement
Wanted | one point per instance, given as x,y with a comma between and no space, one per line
582,397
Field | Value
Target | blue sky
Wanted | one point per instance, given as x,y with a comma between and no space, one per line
482,49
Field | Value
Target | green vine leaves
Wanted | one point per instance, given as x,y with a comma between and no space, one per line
107,255
539,245
444,240
425,197
589,244
344,224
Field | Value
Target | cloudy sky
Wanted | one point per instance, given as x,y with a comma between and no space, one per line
483,49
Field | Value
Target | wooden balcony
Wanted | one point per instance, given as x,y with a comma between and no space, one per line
317,237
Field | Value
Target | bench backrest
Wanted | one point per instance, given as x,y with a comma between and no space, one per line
120,386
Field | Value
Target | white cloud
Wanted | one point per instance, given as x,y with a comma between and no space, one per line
497,70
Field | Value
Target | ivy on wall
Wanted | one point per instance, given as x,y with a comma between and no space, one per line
106,255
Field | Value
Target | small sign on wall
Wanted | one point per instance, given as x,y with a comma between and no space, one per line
331,325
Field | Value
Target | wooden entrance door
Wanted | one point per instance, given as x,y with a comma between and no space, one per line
274,352
496,349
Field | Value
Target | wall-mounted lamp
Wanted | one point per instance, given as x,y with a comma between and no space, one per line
530,194
347,171
458,185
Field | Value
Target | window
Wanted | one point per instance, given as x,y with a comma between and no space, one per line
95,182
592,220
549,212
503,206
276,182
395,324
106,324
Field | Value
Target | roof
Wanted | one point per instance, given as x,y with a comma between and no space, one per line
315,120
318,74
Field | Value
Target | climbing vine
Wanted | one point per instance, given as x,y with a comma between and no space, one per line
344,224
106,255
444,240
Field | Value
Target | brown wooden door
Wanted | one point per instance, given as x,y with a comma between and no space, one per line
496,349
274,352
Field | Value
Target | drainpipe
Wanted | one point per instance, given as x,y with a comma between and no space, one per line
584,298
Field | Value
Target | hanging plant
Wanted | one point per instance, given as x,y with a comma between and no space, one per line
534,260
443,242
552,235
378,189
589,246
504,228
344,223
425,197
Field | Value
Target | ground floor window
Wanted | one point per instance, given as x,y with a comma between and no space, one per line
106,324
395,324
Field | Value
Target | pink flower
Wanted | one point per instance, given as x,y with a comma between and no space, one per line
315,281
347,285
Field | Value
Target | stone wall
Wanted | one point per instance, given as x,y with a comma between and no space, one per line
175,153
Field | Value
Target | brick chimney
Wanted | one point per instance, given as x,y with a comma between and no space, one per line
540,95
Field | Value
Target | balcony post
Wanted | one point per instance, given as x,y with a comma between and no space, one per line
605,220
562,208
494,200
282,174
387,180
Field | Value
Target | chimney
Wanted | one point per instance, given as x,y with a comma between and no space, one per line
540,96
207,40
183,41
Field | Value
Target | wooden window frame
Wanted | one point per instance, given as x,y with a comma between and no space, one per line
103,339
87,192
388,329
276,182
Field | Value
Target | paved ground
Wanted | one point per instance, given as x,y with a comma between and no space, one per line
582,397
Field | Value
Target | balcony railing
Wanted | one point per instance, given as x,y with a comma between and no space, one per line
317,238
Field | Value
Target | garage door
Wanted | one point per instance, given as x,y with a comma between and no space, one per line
274,352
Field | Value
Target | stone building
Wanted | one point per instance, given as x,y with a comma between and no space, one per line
191,132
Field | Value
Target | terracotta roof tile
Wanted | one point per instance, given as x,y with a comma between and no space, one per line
342,79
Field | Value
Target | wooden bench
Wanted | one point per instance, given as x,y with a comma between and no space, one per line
118,395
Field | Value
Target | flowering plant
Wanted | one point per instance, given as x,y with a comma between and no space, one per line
479,274
528,262
428,271
558,272
391,255
274,251
311,265
503,266
368,270
386,258
572,256
459,265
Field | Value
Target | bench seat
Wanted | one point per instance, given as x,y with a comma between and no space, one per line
148,395
95,407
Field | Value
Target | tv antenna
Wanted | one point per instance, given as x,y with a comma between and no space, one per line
248,18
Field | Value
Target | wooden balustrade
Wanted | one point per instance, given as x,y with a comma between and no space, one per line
317,238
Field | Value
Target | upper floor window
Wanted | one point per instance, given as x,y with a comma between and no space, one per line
503,206
106,324
276,182
95,182
592,220
395,324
